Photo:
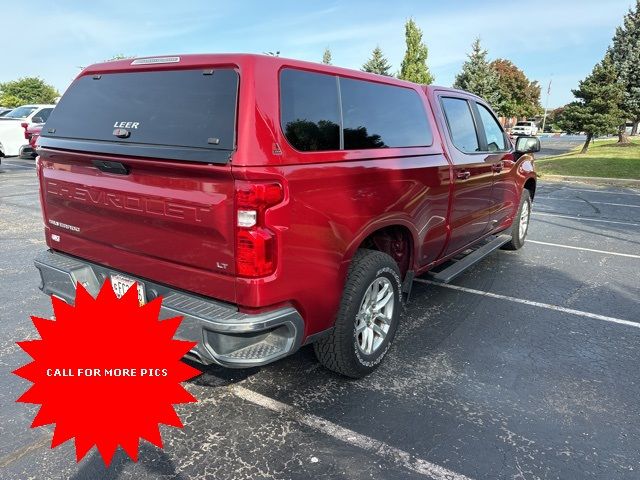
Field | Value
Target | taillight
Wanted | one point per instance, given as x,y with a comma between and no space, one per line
27,135
256,245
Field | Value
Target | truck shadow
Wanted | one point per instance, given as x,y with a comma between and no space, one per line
152,459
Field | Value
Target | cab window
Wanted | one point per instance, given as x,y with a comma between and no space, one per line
462,128
493,132
43,114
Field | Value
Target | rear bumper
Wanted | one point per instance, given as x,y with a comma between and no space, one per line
225,335
27,152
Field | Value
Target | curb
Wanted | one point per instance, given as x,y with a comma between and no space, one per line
631,182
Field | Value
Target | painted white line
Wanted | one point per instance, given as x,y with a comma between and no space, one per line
371,445
630,255
586,219
600,191
587,202
548,306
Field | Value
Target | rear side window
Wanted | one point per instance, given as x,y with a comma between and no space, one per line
461,125
320,112
44,114
175,108
492,130
377,116
309,108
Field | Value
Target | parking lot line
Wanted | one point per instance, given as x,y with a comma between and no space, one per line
630,255
587,219
583,201
599,191
376,447
548,306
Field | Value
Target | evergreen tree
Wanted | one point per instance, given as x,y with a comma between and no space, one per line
414,65
597,110
378,63
477,76
625,54
326,56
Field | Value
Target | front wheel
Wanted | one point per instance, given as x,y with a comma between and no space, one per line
367,319
520,225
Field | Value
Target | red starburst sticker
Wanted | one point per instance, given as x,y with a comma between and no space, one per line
107,372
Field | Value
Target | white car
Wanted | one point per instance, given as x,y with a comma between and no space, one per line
524,128
12,130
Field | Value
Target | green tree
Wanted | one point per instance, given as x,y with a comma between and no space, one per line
378,63
625,54
10,101
552,118
477,76
414,64
326,56
597,110
517,95
26,90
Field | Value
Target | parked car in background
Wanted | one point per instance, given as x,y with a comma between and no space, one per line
31,134
12,131
293,207
4,111
524,128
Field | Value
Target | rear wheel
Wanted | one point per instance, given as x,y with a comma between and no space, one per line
520,225
367,319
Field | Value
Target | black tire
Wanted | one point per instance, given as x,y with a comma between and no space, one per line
340,351
517,239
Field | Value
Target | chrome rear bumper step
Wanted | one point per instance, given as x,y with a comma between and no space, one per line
225,335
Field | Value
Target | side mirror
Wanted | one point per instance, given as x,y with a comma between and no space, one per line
37,120
527,145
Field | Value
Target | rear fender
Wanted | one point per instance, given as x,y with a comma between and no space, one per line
372,227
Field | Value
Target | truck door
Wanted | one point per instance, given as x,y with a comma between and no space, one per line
472,203
504,193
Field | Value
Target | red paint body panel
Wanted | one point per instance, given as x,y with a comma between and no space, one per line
174,222
167,216
33,132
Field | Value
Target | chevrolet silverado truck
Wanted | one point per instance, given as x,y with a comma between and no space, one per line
273,203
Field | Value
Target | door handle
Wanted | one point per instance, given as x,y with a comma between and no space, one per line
497,167
463,174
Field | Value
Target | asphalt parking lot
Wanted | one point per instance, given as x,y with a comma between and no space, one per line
527,367
559,145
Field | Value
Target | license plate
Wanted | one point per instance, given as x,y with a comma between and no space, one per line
121,284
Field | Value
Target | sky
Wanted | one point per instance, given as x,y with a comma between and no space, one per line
547,39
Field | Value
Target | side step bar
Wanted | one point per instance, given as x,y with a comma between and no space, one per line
452,271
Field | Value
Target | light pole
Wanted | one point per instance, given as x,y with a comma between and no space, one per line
546,105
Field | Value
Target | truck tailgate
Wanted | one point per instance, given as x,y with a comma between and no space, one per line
170,221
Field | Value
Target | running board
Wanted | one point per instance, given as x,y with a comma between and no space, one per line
452,271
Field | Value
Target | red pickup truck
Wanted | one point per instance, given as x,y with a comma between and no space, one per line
273,203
